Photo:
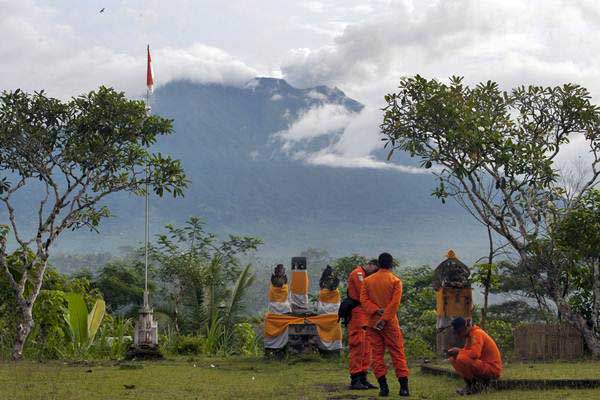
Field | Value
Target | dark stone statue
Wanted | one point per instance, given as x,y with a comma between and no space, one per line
329,279
451,273
279,278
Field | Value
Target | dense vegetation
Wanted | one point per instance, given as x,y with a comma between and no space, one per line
208,288
496,153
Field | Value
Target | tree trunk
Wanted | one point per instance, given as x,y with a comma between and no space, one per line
596,294
23,330
592,340
486,292
488,282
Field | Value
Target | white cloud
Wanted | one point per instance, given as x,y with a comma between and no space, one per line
352,149
317,121
513,42
333,160
39,54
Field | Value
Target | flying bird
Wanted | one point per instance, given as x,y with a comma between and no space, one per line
101,11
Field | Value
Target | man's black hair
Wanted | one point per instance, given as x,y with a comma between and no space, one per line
385,261
374,262
458,323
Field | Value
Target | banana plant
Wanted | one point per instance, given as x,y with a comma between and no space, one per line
83,326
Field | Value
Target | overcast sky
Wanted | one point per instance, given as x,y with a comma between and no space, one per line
363,47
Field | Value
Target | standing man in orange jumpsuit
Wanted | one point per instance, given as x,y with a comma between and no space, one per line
380,297
479,361
360,350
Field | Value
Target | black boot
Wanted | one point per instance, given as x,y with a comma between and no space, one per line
403,386
384,390
355,383
365,382
468,389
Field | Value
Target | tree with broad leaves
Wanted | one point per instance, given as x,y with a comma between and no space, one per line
495,153
197,269
73,154
345,265
578,235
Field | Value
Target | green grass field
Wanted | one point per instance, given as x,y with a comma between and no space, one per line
248,378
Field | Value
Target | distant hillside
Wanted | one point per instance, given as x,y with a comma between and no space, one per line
243,182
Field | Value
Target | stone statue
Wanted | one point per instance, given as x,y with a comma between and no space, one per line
279,278
329,279
451,273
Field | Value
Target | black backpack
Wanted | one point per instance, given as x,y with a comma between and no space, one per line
345,310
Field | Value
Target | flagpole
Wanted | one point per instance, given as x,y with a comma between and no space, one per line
147,213
145,337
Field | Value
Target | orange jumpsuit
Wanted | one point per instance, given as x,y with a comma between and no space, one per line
360,350
479,358
383,290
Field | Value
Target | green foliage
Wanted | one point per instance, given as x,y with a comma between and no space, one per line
83,326
114,337
345,265
502,333
74,153
579,231
199,273
217,336
486,275
493,151
516,310
245,341
417,310
49,338
190,345
578,237
77,317
418,348
122,284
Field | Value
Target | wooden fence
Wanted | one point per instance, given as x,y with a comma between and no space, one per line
547,342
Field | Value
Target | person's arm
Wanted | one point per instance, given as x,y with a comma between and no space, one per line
353,291
392,308
365,302
475,347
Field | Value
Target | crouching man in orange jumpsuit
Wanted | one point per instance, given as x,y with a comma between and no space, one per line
380,298
479,361
358,343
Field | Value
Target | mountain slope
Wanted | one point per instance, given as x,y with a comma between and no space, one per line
243,181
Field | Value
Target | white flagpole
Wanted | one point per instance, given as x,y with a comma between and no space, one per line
147,213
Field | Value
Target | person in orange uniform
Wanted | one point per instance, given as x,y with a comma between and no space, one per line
360,350
478,361
380,298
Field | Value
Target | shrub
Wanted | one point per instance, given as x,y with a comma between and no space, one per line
418,348
502,333
244,340
113,339
190,345
49,340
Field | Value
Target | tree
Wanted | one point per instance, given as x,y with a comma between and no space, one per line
74,154
578,234
487,276
494,152
122,284
345,265
196,268
417,311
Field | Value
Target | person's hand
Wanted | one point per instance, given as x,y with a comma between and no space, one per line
379,325
380,312
453,352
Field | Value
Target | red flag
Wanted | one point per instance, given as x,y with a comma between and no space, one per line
149,73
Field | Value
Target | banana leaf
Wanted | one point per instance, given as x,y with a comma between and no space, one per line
94,319
77,318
